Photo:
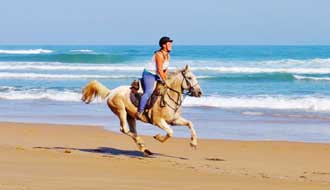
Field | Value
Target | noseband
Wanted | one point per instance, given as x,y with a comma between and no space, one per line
188,83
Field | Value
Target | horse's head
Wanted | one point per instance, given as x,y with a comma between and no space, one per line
190,82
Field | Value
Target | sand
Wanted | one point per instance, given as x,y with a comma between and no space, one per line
55,157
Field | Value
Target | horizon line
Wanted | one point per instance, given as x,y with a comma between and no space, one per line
96,44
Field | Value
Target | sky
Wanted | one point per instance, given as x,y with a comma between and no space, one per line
142,22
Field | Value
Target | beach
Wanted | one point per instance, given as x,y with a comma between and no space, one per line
44,156
250,79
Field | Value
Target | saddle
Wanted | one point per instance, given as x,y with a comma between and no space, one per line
137,91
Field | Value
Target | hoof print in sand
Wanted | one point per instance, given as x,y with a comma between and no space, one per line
215,159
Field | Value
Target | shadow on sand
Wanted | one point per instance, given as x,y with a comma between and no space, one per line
114,152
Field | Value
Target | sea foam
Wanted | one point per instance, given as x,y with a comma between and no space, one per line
27,51
302,103
299,77
53,66
5,75
82,50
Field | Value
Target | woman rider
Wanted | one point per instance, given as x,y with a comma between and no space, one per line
155,70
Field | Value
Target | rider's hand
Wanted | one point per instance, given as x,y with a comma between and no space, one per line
162,81
165,83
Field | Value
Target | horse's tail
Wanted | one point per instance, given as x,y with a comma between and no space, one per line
94,89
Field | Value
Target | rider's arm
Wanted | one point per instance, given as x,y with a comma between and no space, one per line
166,72
159,62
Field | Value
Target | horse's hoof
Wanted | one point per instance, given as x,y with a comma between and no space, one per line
123,131
157,137
193,146
147,152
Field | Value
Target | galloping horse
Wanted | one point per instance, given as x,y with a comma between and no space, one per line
166,110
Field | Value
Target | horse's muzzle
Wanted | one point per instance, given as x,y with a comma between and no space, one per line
196,93
199,93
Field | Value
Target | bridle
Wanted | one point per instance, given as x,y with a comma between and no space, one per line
188,83
179,100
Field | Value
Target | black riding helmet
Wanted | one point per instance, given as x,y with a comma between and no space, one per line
164,40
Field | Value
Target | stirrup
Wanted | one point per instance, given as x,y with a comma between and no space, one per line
139,115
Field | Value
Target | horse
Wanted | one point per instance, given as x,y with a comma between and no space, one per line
166,110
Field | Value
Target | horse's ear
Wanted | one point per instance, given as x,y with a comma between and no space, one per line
186,68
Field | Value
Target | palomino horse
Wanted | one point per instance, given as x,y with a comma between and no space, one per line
165,112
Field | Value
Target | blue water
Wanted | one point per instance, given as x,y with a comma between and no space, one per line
279,92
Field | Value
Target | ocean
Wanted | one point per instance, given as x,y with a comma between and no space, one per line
249,92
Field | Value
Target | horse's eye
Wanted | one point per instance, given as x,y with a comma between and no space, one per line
189,78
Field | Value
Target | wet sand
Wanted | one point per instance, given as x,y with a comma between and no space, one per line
53,157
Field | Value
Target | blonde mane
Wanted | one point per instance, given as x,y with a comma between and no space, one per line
173,74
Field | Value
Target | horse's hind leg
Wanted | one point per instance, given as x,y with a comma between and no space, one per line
119,110
138,140
132,124
184,122
163,125
123,118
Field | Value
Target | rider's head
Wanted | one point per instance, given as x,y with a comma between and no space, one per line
165,43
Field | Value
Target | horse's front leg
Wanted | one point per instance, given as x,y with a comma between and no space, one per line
163,125
184,122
